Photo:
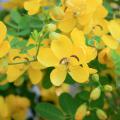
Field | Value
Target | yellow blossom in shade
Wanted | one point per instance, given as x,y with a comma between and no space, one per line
114,28
32,6
67,56
4,45
4,110
3,31
13,4
110,41
52,93
104,57
18,106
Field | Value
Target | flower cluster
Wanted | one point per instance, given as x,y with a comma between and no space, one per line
60,46
14,107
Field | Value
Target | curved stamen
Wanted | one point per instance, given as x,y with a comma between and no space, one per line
16,57
74,56
64,61
98,26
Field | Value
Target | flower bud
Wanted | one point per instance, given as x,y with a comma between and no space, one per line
57,13
108,88
95,77
81,112
51,27
101,114
53,35
95,94
88,113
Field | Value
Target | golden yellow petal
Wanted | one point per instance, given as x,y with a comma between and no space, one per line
47,58
91,53
67,24
4,48
35,75
78,37
58,75
3,31
110,41
114,29
32,6
61,46
80,74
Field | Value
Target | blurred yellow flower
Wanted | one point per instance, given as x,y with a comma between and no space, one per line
32,6
4,45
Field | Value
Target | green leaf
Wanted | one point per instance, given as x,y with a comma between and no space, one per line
58,2
46,83
69,80
108,7
49,112
116,60
23,32
68,105
83,96
16,43
5,87
3,77
15,16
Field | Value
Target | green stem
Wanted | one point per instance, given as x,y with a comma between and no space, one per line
22,62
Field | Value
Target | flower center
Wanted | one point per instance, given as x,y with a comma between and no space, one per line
66,60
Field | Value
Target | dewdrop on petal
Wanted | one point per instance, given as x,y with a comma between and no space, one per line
95,94
81,112
101,114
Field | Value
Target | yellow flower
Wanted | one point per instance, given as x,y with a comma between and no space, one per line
32,6
67,56
4,45
114,28
35,68
81,13
52,93
13,4
110,42
104,57
18,106
15,71
4,110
